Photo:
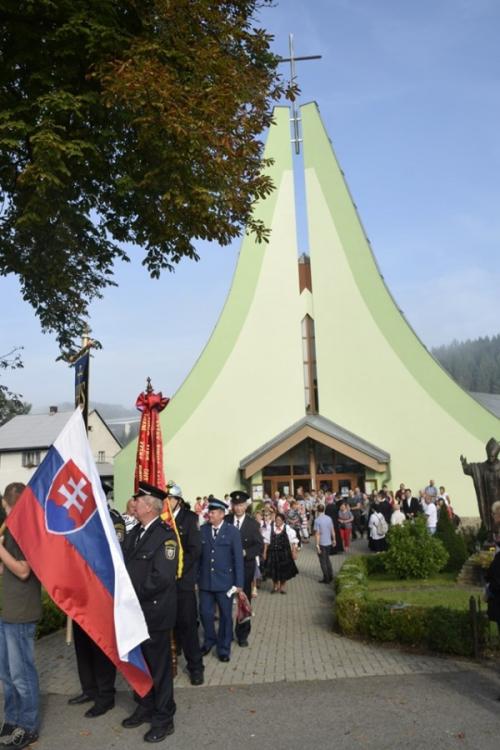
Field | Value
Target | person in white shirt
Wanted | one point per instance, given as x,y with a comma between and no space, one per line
377,529
444,495
397,517
430,511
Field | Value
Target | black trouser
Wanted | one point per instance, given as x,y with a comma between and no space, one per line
158,705
186,630
357,526
243,631
324,561
97,673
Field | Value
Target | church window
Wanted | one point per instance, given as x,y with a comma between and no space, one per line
309,361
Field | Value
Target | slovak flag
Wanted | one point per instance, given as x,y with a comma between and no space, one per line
62,524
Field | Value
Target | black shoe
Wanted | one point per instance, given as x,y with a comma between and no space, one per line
157,734
206,650
7,729
20,739
136,719
77,700
197,678
224,658
95,711
243,644
322,580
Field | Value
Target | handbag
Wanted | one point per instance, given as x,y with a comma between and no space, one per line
244,609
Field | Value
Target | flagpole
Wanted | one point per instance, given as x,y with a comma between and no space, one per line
81,362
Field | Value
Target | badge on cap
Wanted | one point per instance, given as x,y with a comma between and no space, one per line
215,504
239,496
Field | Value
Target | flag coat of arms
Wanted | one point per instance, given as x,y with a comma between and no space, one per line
63,526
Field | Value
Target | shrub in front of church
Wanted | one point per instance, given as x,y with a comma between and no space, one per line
454,542
351,594
440,629
383,621
52,618
375,563
413,552
450,631
469,535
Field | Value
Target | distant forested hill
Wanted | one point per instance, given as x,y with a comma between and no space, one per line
475,365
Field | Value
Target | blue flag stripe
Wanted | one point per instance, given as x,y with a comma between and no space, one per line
91,540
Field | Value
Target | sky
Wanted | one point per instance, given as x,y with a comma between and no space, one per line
410,95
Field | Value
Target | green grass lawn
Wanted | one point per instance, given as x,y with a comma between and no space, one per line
386,581
441,590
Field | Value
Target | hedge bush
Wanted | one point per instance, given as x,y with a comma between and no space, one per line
435,628
454,543
376,563
470,537
413,552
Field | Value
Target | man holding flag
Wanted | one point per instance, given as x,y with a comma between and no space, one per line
151,552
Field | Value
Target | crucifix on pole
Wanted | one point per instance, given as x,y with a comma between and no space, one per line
295,118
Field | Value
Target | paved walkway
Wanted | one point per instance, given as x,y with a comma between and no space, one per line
304,616
312,688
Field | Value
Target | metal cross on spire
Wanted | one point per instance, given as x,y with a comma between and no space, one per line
295,118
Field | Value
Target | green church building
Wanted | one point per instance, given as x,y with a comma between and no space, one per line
312,376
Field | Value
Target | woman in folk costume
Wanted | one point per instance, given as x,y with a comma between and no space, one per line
280,553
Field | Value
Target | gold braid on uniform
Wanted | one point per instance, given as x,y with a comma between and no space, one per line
168,516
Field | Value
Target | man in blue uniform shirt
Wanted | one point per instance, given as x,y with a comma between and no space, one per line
221,570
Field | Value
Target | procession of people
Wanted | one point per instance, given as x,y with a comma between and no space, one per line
189,568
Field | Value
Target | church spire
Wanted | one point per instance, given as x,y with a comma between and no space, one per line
295,118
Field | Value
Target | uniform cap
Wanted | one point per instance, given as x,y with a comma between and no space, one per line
150,489
239,496
216,504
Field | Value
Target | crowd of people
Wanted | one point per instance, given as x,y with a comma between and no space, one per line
185,567
229,548
354,513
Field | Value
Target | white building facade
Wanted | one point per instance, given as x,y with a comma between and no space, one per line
25,441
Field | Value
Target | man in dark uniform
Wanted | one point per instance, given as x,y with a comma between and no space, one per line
253,546
220,577
96,672
151,554
186,627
